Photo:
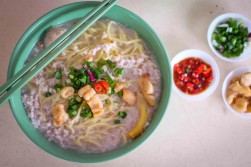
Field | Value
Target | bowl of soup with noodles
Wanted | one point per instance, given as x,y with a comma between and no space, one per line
103,95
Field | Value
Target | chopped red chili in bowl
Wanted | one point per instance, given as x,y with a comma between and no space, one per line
192,75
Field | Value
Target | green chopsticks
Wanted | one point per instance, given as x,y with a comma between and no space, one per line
47,55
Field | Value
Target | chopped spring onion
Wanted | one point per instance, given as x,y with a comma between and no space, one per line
71,113
111,82
82,78
86,112
47,94
120,93
71,76
107,101
98,72
72,69
72,101
110,63
69,84
58,74
101,62
105,68
112,91
122,114
74,104
78,99
119,71
72,110
117,121
77,82
110,74
88,63
78,77
230,37
58,87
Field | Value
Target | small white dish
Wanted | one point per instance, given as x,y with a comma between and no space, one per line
206,58
223,18
234,73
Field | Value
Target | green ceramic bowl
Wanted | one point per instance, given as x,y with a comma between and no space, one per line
71,12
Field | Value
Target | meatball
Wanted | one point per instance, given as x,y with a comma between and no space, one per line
52,35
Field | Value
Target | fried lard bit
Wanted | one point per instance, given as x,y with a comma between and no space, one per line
92,99
119,86
96,105
147,89
87,92
128,96
59,115
67,91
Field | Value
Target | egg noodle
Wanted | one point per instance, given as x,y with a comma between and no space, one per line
106,39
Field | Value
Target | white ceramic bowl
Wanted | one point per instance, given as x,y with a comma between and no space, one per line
206,58
235,73
223,18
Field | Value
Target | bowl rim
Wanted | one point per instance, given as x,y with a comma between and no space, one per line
91,158
219,19
209,60
235,72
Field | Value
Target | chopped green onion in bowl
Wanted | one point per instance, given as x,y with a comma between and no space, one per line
230,38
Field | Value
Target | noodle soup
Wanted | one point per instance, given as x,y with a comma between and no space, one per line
99,93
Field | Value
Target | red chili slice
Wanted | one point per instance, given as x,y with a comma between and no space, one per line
196,81
101,87
177,69
200,69
190,86
207,71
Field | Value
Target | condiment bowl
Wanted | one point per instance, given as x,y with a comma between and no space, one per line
233,74
221,19
65,14
207,59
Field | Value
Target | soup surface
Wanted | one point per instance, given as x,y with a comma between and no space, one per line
99,93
